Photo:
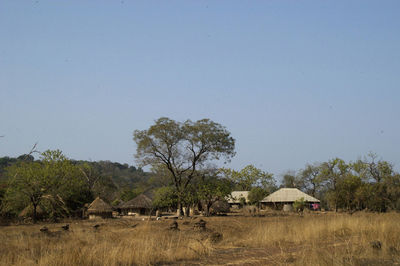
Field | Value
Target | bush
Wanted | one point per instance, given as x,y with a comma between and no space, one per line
299,204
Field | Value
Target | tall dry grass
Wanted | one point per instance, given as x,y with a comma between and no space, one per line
324,239
113,243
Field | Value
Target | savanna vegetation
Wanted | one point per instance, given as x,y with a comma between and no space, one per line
184,159
276,239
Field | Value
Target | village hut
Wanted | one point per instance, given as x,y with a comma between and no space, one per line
99,209
285,197
141,205
238,199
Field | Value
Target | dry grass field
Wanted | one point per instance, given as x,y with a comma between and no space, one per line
312,239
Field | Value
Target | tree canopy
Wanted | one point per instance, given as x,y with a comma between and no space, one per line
54,183
250,177
183,148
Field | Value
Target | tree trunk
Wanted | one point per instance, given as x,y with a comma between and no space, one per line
187,211
207,209
179,210
34,212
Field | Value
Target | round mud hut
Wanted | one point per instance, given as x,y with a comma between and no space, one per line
141,205
99,209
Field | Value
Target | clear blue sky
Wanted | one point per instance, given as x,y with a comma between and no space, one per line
295,82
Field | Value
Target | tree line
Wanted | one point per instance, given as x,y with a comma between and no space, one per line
182,157
369,183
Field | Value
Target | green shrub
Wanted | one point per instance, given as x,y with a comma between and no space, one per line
299,204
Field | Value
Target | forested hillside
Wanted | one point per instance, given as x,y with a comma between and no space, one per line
110,180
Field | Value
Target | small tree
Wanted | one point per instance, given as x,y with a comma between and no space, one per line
256,195
299,205
212,189
242,202
165,197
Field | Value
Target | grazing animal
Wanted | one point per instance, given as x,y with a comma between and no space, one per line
44,229
96,226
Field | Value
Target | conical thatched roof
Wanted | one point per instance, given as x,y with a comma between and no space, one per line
28,211
288,195
140,202
99,206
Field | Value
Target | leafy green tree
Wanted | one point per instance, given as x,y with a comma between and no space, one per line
299,204
53,182
331,173
183,148
211,189
256,195
384,182
165,197
346,193
250,177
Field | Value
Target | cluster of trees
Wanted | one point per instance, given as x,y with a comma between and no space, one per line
52,183
366,183
182,158
60,187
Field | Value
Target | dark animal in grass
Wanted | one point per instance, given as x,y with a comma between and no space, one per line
44,229
96,226
65,227
376,244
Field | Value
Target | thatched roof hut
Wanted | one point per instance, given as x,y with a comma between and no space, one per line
285,197
139,205
99,209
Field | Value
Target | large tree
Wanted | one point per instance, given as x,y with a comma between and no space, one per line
311,179
291,180
332,173
183,148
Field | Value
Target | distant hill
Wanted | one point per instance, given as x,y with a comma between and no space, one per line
114,180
